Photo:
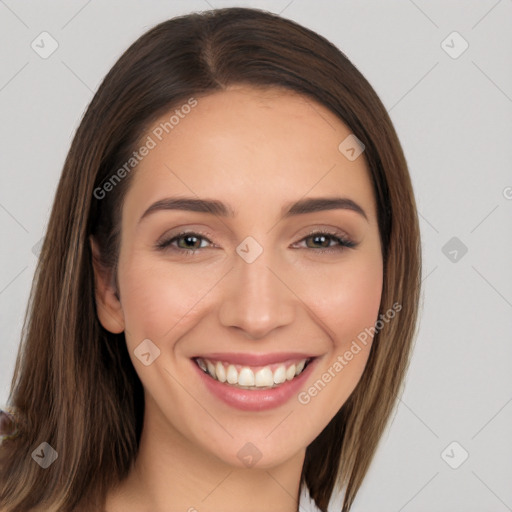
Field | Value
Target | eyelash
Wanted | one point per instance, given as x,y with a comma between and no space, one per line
343,242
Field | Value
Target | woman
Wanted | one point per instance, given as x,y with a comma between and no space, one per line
260,358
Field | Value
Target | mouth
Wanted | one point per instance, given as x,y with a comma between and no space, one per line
254,378
254,382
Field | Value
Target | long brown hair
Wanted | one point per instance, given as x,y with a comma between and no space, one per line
74,385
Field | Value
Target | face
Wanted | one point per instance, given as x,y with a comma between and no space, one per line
267,289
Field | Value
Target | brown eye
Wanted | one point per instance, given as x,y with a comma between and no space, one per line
191,242
323,242
320,239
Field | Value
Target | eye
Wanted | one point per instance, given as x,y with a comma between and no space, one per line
325,239
191,242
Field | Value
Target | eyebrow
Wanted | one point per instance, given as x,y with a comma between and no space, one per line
218,208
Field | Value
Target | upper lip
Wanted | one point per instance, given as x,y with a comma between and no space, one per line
255,359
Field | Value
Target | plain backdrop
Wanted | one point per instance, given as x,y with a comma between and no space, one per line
443,69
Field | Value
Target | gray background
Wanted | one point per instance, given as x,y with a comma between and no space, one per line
453,116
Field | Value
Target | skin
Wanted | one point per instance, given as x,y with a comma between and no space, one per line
256,150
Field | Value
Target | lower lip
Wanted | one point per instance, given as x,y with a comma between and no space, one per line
256,400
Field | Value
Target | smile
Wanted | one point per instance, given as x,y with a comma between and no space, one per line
254,382
252,377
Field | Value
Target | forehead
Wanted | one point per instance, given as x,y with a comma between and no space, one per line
249,146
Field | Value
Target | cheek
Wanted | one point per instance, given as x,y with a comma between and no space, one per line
158,301
346,298
348,305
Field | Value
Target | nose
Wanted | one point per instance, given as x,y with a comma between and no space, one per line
257,298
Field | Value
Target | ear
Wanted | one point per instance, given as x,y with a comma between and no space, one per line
108,305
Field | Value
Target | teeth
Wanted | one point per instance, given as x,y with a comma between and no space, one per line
248,378
220,371
280,375
264,378
232,375
211,368
290,372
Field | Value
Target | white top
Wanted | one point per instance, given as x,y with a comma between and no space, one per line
306,503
